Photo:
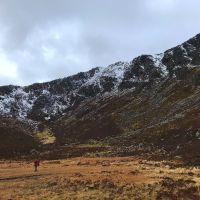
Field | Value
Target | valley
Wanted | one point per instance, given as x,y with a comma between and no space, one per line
130,130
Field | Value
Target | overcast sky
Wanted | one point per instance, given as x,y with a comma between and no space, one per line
41,40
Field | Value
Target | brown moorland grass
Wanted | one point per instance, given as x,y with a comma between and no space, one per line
99,178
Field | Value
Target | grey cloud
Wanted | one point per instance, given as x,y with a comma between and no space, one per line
50,39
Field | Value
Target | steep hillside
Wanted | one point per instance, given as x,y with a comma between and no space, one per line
149,105
15,138
162,116
47,101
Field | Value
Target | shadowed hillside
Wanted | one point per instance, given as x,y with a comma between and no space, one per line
15,138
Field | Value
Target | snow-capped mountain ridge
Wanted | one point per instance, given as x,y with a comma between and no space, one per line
21,101
48,100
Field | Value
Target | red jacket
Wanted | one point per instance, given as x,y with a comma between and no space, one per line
36,163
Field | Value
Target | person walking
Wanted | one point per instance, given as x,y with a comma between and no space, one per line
36,165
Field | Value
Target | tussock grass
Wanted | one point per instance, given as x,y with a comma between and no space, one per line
99,178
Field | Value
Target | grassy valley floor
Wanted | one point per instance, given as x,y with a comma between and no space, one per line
99,178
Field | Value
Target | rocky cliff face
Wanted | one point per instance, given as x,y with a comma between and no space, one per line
123,98
185,54
48,101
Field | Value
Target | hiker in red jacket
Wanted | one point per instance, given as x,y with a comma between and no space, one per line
36,164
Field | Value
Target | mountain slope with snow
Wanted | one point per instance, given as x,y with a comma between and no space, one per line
48,100
142,102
